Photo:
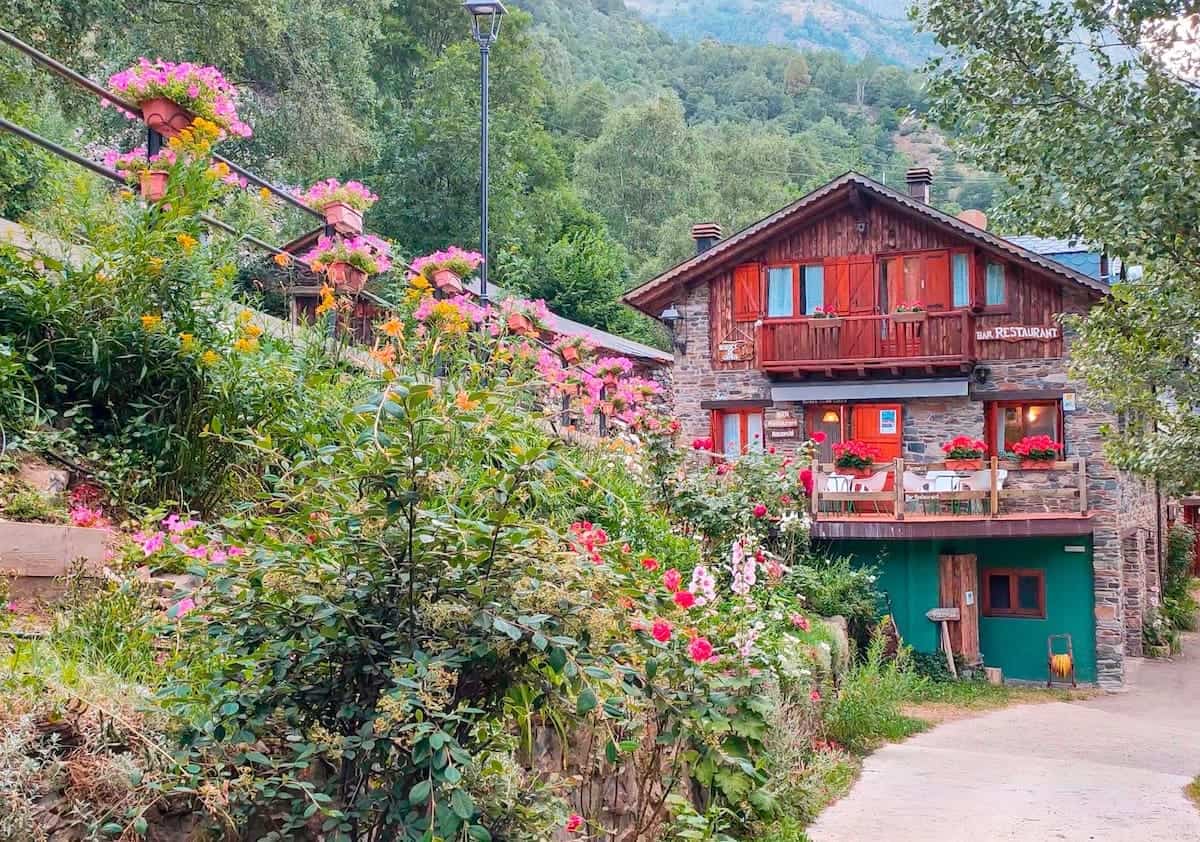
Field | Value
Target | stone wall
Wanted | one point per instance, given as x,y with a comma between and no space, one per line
1128,520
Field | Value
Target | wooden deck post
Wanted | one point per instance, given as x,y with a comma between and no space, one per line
995,500
816,486
1083,491
898,487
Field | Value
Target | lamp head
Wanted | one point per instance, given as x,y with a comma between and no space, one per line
485,20
673,319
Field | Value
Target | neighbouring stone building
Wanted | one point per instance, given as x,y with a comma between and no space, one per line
804,322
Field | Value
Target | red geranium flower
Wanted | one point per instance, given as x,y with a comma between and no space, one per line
818,437
574,823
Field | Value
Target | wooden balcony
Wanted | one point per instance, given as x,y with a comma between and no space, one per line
936,341
929,501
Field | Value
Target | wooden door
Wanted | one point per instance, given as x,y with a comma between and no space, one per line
881,425
936,280
959,588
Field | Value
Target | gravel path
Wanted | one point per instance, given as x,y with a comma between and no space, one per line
1109,768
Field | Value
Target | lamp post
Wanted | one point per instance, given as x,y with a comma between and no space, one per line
485,27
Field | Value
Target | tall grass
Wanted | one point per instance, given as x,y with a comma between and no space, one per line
867,707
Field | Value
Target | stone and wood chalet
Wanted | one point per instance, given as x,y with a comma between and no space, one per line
798,324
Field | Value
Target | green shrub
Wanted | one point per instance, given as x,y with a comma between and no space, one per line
1179,608
833,585
866,707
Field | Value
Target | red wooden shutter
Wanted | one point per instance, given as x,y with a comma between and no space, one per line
863,287
837,283
937,281
747,293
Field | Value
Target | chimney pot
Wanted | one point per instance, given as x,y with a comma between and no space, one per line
706,235
919,180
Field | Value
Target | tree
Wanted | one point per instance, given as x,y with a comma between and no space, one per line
1092,111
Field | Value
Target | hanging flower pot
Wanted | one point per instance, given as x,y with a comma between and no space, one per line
519,323
908,316
153,184
964,464
166,117
346,276
568,388
343,218
447,281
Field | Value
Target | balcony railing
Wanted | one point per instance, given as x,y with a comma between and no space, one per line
998,489
931,340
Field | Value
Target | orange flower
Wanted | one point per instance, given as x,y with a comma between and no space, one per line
265,194
463,401
393,327
385,355
283,259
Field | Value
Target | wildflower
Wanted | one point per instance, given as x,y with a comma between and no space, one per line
210,357
186,341
800,621
283,259
815,695
393,327
672,580
244,317
700,650
626,549
186,242
818,437
156,264
126,193
236,551
661,631
151,322
574,823
649,563
153,543
463,401
245,345
722,469
264,194
328,302
702,586
253,331
685,599
385,355
760,510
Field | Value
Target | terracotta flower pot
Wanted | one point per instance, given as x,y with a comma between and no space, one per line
345,276
165,116
154,184
964,464
918,316
1037,464
343,218
569,388
825,322
570,353
519,323
861,473
447,281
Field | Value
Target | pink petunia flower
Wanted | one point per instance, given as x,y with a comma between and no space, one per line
182,607
153,543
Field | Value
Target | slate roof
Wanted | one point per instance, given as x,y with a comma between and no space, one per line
652,290
1049,245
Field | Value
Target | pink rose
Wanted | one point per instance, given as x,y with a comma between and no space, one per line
574,823
672,579
685,599
700,650
661,631
760,510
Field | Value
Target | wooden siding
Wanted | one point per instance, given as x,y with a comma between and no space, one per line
1033,298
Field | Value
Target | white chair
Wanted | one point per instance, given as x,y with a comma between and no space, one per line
875,482
914,483
982,480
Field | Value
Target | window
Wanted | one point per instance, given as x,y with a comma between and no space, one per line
1013,592
814,288
781,292
922,277
1011,421
738,431
960,266
995,294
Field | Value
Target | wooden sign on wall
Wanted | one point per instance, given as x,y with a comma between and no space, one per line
736,350
1019,333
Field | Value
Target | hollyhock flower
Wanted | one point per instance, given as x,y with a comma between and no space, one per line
685,599
625,548
743,569
703,586
760,510
806,479
800,621
815,695
672,580
218,556
700,650
661,631
774,570
649,563
574,823
819,437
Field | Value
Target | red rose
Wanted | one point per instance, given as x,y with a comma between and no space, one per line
806,479
574,823
661,631
685,599
818,437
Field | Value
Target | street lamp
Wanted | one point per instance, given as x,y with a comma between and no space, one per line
485,27
673,319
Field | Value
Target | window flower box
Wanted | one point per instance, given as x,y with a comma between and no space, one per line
346,276
1037,453
171,95
166,117
574,349
908,316
447,281
343,218
855,458
347,263
446,269
964,454
824,318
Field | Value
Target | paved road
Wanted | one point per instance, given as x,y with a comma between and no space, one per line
1109,768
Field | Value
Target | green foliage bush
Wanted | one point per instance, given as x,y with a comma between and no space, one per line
834,585
866,708
1179,607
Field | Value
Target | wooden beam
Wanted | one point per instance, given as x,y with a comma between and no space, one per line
898,489
862,528
995,490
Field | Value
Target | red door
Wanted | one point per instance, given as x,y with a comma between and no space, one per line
882,427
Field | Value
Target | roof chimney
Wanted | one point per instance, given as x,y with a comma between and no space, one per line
706,235
919,180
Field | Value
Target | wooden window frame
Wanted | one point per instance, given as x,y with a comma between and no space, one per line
1014,611
743,413
802,286
991,409
995,309
797,290
881,284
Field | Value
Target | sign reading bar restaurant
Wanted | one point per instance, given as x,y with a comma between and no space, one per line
1019,333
